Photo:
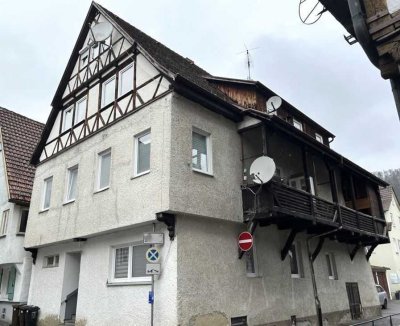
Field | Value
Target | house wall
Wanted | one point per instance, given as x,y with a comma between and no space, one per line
212,281
388,255
191,192
125,202
99,303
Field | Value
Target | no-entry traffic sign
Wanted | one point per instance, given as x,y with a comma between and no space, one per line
245,241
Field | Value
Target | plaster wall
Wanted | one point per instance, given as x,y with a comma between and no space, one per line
217,195
221,286
388,255
125,202
100,302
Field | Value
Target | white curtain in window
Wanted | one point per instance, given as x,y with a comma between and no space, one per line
199,151
143,153
121,262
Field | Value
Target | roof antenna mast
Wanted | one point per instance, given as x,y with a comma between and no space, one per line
249,60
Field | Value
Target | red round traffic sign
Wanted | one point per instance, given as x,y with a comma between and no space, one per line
245,241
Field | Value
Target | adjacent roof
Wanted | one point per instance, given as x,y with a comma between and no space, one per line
387,195
20,136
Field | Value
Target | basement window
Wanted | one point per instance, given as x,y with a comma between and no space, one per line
51,261
239,321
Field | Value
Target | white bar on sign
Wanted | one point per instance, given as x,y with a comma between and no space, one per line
153,238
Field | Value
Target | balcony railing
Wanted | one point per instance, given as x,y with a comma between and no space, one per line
294,202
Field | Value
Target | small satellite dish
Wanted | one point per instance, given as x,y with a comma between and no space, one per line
262,169
273,103
101,31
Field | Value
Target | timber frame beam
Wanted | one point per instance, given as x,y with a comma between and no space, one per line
370,251
289,243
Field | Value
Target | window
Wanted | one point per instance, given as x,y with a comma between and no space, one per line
67,118
51,261
251,262
4,222
298,124
80,110
72,176
331,264
48,184
95,49
23,221
108,91
201,152
84,57
104,166
319,138
296,262
129,263
126,80
395,245
142,153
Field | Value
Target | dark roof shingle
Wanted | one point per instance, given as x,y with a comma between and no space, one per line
20,136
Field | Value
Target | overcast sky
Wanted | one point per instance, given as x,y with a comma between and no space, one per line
312,67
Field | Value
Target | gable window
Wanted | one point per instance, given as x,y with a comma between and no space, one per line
4,222
319,138
23,221
129,263
51,261
296,262
95,50
84,57
125,80
201,151
331,264
142,153
298,124
103,172
48,184
105,45
67,118
72,176
80,110
108,91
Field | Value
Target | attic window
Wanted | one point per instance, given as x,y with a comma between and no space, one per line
298,124
84,57
319,138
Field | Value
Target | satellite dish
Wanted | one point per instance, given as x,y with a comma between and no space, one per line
262,169
101,31
273,103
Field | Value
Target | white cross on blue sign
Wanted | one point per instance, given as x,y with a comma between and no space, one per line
152,255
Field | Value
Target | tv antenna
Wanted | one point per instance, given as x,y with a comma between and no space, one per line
310,11
249,60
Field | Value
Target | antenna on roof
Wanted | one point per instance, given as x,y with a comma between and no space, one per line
249,60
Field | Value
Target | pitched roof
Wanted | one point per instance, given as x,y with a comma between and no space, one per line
20,136
387,195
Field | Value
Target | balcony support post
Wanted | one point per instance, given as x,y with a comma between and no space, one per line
370,251
318,249
354,251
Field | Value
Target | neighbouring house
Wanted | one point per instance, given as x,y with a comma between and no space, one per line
141,139
385,261
19,136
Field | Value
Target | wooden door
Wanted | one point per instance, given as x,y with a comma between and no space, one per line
354,300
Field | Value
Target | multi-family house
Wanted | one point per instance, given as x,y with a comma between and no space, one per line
19,136
385,261
140,139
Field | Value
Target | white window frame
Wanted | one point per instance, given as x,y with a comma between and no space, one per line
45,185
103,90
297,124
68,178
56,261
82,53
319,138
130,278
99,163
68,109
20,219
299,261
93,52
5,216
136,153
209,170
120,93
83,99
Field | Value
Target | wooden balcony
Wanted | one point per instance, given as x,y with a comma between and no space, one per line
291,208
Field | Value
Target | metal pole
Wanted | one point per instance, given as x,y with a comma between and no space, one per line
152,287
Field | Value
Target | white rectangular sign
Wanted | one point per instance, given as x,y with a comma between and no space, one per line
153,269
153,238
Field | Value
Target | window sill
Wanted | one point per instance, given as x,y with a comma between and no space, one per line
203,172
297,276
249,275
43,210
140,174
128,283
102,189
69,202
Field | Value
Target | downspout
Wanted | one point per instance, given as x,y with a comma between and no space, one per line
363,37
314,283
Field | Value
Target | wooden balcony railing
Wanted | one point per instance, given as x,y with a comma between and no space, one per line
292,201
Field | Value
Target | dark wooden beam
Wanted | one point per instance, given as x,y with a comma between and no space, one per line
354,251
288,243
318,248
34,252
169,220
370,251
